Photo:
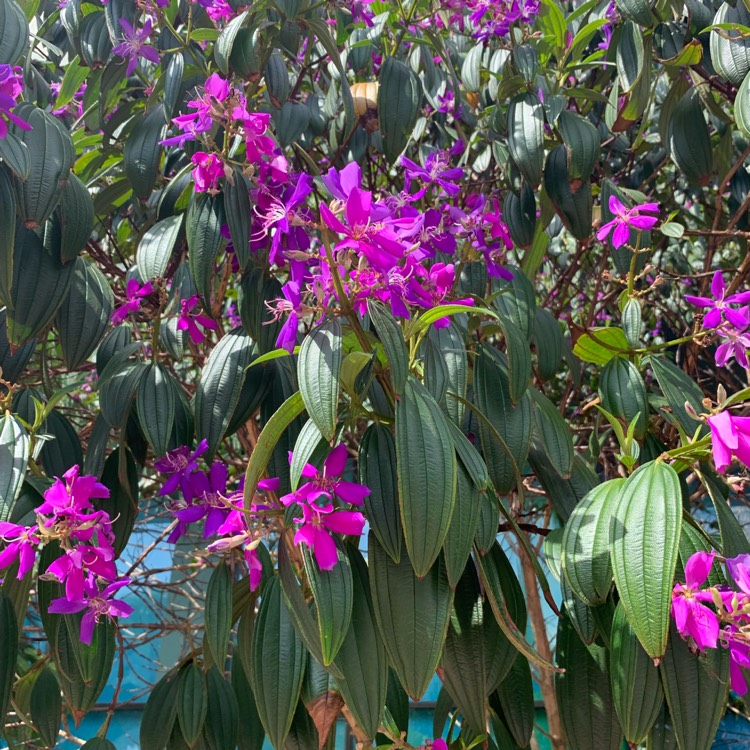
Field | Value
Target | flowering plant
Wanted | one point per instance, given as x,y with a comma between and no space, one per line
326,326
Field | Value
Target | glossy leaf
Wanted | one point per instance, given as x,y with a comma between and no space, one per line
399,98
412,615
142,151
426,464
192,702
157,245
644,555
318,372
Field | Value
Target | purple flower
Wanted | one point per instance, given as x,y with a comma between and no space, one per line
719,305
730,437
179,463
134,44
80,563
627,219
134,293
209,168
189,321
72,495
692,618
374,239
435,172
11,86
206,497
324,485
21,543
316,525
98,604
287,338
736,344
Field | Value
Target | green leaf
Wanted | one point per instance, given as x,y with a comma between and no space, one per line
291,121
526,136
399,99
554,433
362,658
310,447
729,44
40,284
426,463
155,405
218,615
572,199
117,394
120,476
644,557
332,591
205,216
84,316
601,345
192,702
581,139
696,688
465,660
160,713
504,429
225,42
75,75
502,588
278,660
156,247
636,688
238,210
392,338
267,440
318,372
519,359
377,470
223,718
678,388
46,706
516,697
251,733
15,154
516,299
583,693
8,208
689,142
463,527
412,615
14,455
14,32
142,152
9,643
220,386
585,561
623,393
630,56
63,450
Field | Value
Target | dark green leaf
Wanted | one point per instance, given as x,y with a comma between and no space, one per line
142,152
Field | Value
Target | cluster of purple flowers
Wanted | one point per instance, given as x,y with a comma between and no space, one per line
87,567
493,18
11,87
204,496
188,319
220,103
727,623
730,316
381,249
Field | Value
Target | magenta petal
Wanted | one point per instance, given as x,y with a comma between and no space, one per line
335,463
87,627
345,522
615,206
620,236
353,493
699,301
713,318
718,287
325,550
697,568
